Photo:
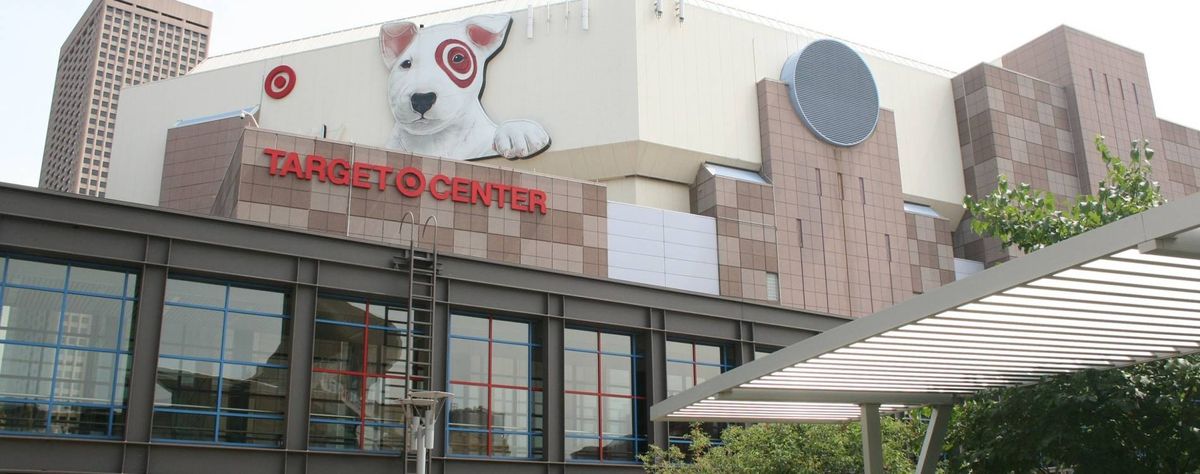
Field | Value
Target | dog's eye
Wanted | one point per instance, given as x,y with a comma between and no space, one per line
406,64
458,58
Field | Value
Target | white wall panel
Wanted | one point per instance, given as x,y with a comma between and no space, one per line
660,247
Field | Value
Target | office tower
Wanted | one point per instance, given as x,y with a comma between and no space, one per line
116,44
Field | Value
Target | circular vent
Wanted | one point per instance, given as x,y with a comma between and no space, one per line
833,92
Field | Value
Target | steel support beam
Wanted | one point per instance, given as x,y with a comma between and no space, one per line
872,439
935,435
837,396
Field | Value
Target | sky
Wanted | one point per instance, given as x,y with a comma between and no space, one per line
951,34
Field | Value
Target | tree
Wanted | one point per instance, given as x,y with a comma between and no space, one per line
1144,418
787,449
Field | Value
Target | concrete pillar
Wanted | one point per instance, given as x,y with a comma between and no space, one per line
935,435
872,439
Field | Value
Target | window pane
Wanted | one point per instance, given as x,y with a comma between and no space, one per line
582,449
397,318
618,374
338,347
90,280
469,407
336,396
22,416
340,310
184,426
620,450
246,388
25,371
30,315
510,445
261,301
616,343
510,409
510,364
258,339
259,431
194,292
468,360
383,400
468,443
679,350
510,331
579,371
387,353
85,376
383,438
679,377
618,417
191,332
333,435
91,321
469,326
706,372
78,420
708,354
186,384
581,414
579,339
27,272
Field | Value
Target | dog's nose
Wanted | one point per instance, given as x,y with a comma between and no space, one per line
423,102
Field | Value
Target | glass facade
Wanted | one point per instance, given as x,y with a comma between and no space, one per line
602,399
65,339
688,365
359,375
222,366
493,373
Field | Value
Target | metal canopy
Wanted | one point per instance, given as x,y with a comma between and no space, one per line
1119,295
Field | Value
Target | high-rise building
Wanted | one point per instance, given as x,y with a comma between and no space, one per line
116,43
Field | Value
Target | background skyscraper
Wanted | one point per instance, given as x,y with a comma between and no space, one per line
116,43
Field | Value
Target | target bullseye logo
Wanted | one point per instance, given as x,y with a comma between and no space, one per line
280,82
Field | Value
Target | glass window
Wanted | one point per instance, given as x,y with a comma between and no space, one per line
690,364
222,365
65,336
360,375
497,406
602,400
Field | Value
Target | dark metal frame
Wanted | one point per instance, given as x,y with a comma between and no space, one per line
154,243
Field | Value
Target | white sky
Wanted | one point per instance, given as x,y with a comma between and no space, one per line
954,35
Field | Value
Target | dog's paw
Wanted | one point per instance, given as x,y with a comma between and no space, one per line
516,139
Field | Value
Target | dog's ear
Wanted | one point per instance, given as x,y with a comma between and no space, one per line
487,32
394,38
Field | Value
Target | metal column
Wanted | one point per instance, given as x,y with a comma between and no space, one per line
935,435
872,439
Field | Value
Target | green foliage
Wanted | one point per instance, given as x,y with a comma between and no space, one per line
786,449
1030,219
1144,418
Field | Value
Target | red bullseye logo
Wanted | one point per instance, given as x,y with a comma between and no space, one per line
457,61
280,82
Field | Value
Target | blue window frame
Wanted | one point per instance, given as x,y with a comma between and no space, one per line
359,375
494,366
690,364
222,366
602,397
65,338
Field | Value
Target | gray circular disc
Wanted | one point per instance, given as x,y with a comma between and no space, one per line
833,92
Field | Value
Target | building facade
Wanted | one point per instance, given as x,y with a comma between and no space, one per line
637,201
135,339
116,44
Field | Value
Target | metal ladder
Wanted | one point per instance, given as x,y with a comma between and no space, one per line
422,267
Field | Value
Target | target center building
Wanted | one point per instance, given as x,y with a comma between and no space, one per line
560,214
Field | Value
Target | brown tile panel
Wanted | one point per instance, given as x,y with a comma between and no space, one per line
570,237
196,162
1013,125
745,218
841,236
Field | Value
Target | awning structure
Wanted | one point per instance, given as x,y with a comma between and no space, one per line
1125,293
